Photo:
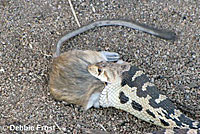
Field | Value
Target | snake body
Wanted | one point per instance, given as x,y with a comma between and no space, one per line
135,94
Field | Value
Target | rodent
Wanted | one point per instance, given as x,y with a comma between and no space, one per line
70,80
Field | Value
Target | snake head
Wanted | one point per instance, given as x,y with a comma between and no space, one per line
109,72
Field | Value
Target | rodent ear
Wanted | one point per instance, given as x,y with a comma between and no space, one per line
110,56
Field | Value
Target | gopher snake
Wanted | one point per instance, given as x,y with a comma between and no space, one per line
129,89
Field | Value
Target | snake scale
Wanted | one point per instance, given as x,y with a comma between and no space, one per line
129,89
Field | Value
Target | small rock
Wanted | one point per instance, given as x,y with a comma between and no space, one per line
2,70
64,129
192,85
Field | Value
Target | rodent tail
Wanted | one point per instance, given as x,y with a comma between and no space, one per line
134,25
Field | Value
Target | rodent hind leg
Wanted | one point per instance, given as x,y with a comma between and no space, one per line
93,101
110,56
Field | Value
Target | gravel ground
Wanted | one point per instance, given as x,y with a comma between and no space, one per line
29,30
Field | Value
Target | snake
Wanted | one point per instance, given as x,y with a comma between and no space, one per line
129,89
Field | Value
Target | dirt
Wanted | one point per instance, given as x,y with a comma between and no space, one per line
29,31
